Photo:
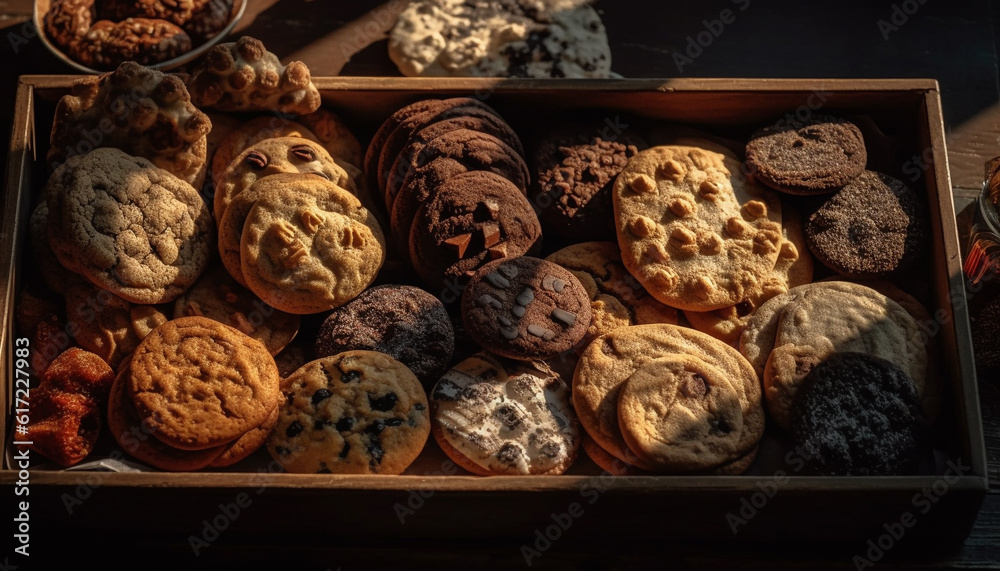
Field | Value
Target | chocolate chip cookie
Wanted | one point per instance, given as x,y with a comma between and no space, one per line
358,412
493,416
525,308
814,156
874,226
404,322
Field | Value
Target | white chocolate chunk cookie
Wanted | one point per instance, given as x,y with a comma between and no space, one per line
692,229
493,416
500,38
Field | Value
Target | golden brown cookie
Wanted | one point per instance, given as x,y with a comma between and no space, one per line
135,436
495,416
308,245
198,383
607,462
250,133
335,135
358,412
244,76
218,296
795,331
272,156
137,109
692,229
146,318
678,413
611,359
793,268
247,444
128,226
102,321
146,41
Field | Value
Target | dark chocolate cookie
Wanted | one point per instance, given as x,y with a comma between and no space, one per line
405,322
575,167
815,156
870,228
394,143
450,154
858,415
473,218
414,153
383,132
525,308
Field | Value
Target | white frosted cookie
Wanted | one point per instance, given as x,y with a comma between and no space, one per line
493,38
496,416
692,229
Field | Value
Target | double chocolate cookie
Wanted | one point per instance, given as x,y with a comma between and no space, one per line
525,308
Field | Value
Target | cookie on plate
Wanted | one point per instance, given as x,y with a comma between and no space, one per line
692,229
500,39
143,40
883,436
493,416
140,110
404,322
127,226
199,384
67,21
525,308
814,156
357,412
872,227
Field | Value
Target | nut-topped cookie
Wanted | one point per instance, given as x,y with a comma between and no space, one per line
358,412
308,245
493,416
198,383
128,226
137,109
525,308
692,229
142,40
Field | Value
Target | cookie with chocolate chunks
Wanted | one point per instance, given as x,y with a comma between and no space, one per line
473,218
525,308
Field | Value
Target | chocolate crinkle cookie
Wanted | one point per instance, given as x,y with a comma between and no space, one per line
575,167
859,415
872,227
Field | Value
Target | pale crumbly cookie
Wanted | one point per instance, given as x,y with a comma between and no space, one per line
794,331
143,40
137,109
244,76
678,413
496,38
493,416
793,268
272,156
358,412
692,229
128,226
102,321
136,438
218,296
611,359
198,383
307,245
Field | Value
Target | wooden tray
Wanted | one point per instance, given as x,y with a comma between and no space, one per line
903,125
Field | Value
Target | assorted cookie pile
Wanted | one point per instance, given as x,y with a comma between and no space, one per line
101,34
668,316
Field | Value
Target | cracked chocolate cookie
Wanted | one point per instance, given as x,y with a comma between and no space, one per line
885,433
473,218
358,412
525,308
574,167
127,226
404,322
815,156
874,226
493,416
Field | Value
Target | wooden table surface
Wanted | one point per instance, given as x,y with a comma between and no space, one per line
953,41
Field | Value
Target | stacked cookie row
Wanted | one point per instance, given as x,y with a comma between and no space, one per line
452,176
104,33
